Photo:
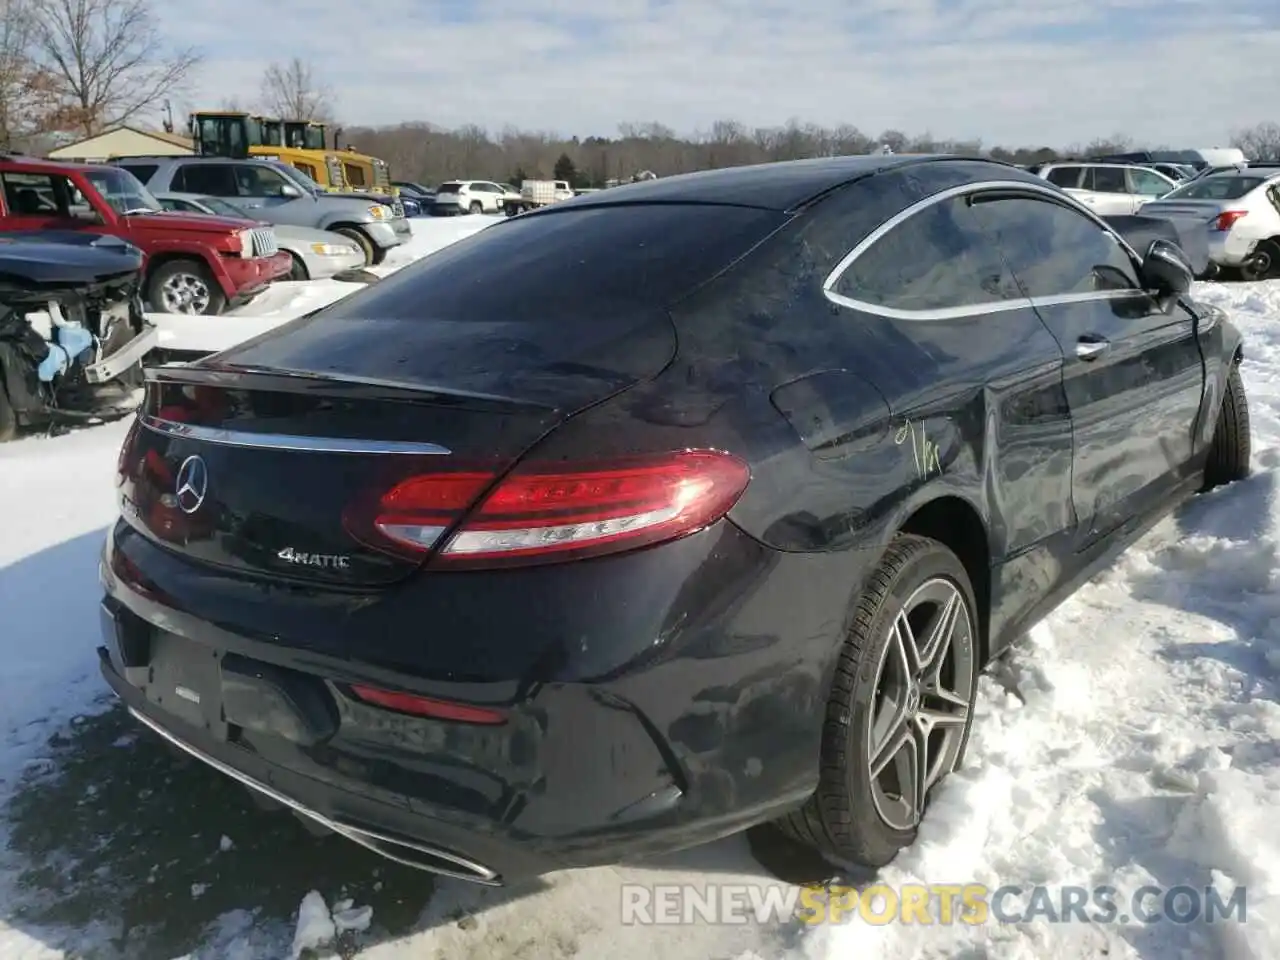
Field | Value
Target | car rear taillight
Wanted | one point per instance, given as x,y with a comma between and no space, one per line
430,707
538,514
1227,219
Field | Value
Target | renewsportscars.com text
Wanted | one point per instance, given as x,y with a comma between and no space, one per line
928,904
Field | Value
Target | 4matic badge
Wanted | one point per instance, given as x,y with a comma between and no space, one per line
325,561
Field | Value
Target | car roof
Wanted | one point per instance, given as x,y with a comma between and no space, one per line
1099,163
47,166
771,186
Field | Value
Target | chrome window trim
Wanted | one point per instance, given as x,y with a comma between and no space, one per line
1048,193
293,442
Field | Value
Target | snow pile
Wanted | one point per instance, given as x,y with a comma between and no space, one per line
1133,739
318,928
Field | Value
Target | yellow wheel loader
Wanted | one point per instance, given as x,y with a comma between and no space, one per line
239,135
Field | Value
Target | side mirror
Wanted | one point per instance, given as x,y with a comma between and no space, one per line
290,191
1166,270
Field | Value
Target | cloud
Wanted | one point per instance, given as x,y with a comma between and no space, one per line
1013,71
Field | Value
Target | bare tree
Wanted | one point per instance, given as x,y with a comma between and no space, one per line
15,67
107,58
1261,142
292,91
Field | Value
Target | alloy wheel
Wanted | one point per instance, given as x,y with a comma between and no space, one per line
185,293
923,696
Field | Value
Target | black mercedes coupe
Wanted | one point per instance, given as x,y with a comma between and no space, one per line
706,512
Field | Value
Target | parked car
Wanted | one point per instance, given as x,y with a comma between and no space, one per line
72,332
707,515
277,193
1107,188
1187,233
194,264
468,196
1240,211
424,196
317,254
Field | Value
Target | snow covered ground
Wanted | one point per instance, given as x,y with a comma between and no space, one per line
1133,739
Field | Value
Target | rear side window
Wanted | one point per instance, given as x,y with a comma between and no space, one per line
1065,176
939,258
143,171
449,188
213,179
1106,180
1054,250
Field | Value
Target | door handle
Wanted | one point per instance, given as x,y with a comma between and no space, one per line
1091,349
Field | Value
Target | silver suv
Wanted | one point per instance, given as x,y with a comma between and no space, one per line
1109,189
268,190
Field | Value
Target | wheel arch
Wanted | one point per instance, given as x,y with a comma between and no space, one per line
956,523
158,260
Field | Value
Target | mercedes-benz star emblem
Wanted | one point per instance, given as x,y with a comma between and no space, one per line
193,484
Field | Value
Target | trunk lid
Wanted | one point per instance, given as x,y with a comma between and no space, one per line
1200,210
269,471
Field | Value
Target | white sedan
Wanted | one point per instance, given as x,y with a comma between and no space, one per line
317,254
1239,210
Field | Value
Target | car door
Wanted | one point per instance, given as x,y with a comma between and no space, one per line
206,179
1107,191
935,320
1132,373
493,199
260,191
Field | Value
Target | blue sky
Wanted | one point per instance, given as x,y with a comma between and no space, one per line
1183,72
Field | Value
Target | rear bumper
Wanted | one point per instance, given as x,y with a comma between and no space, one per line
242,277
383,828
1228,248
685,710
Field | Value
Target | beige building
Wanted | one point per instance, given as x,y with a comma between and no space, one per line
124,141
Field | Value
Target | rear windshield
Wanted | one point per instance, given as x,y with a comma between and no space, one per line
563,260
589,263
449,188
1217,188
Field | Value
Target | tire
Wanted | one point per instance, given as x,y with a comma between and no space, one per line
1265,264
362,241
476,207
174,279
298,269
853,816
8,417
1232,444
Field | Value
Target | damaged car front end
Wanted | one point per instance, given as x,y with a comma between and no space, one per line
72,330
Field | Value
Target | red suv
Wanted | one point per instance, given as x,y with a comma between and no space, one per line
194,263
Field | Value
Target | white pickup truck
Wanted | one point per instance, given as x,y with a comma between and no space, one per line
537,193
